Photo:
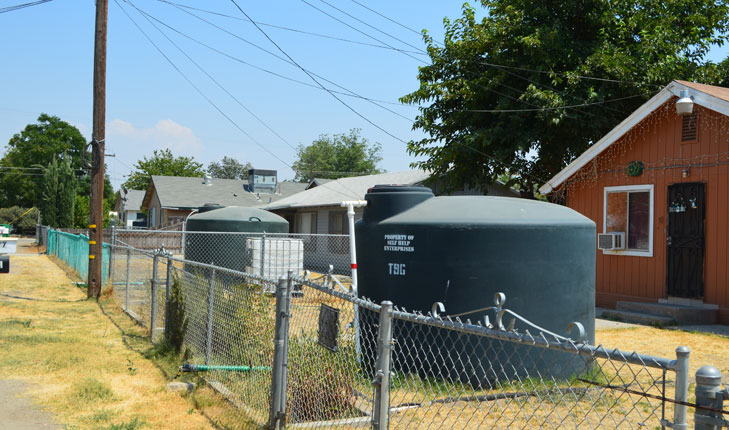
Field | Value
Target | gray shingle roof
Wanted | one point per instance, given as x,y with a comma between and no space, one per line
134,200
188,193
355,188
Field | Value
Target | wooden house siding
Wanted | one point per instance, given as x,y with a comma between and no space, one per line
657,143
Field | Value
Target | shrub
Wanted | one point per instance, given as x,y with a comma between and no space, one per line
321,382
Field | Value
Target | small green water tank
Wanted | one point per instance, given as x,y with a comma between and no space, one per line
228,250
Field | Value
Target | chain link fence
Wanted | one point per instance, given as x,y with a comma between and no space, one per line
286,345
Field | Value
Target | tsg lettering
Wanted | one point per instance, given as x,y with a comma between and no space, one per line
396,269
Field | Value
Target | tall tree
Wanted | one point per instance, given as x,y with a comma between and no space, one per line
165,164
32,150
229,168
337,156
59,194
49,203
498,91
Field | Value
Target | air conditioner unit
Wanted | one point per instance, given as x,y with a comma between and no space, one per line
611,241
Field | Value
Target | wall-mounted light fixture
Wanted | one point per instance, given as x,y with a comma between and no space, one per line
685,172
685,103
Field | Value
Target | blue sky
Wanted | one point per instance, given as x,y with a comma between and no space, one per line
48,63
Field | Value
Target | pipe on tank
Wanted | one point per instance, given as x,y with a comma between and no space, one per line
350,205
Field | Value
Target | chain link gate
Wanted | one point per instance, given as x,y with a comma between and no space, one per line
311,355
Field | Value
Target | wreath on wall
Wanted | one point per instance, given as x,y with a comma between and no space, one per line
635,168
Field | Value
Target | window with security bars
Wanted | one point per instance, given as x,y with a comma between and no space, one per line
688,128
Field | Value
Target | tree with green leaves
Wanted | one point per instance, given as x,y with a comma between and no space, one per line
229,168
162,163
337,156
30,151
532,85
59,194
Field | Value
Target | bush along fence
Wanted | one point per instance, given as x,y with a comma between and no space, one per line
313,355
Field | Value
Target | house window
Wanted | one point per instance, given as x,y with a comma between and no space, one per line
338,224
306,222
629,210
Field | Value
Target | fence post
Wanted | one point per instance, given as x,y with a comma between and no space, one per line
153,311
709,394
263,254
278,374
126,292
209,331
681,395
168,286
111,254
381,412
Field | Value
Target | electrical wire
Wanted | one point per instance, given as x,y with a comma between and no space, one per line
524,69
349,94
362,32
315,80
324,36
215,106
552,108
22,6
420,50
236,99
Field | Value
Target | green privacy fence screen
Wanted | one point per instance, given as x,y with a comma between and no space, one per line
73,249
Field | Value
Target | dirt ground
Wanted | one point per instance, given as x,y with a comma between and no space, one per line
71,358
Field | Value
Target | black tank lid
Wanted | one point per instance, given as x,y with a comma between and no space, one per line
384,201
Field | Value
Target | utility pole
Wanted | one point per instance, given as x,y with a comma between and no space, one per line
96,224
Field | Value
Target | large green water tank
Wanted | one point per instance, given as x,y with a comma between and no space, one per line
228,250
416,249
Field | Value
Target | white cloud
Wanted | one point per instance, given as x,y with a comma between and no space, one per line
166,133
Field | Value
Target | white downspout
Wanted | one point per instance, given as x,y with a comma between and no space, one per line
350,205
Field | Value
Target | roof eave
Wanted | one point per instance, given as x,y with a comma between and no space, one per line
613,135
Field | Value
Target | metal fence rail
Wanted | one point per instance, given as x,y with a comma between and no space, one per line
301,351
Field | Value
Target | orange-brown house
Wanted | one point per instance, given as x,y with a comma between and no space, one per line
657,186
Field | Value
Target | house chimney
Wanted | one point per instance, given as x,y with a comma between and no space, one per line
262,181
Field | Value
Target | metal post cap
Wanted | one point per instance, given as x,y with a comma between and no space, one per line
708,375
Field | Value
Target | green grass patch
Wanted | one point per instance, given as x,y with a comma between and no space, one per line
91,390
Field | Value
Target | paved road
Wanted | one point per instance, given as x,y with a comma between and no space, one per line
19,413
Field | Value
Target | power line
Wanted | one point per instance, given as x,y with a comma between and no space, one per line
425,62
352,93
147,16
500,67
420,50
324,36
362,32
523,69
349,94
233,122
22,6
387,18
315,80
553,108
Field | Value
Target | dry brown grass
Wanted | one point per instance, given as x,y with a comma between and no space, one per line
78,360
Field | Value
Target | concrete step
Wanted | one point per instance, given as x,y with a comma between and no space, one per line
682,314
637,318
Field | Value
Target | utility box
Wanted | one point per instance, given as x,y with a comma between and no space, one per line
8,245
